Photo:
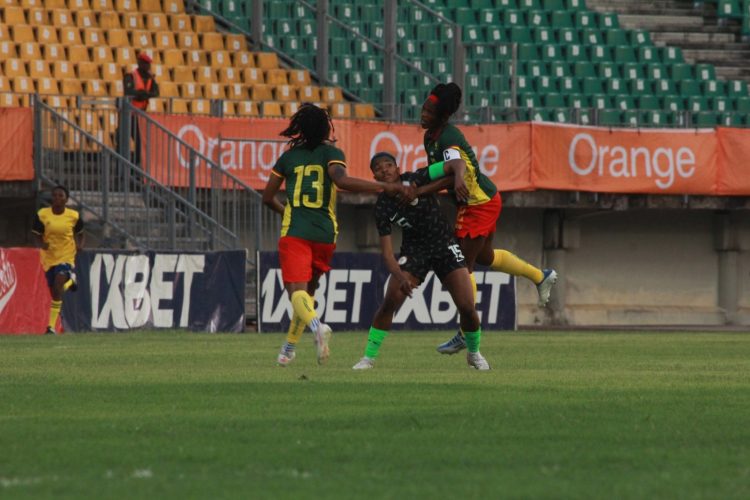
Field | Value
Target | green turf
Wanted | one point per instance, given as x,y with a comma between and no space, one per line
561,415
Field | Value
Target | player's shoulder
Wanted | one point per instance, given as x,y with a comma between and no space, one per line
72,213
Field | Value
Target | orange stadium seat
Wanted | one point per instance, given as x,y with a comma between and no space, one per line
63,70
290,108
78,53
149,6
261,93
76,5
168,89
70,35
53,52
13,15
308,93
243,59
9,100
8,50
212,41
214,91
271,109
234,42
22,33
102,54
196,57
111,72
125,56
29,51
38,17
164,40
180,22
285,93
126,5
299,77
14,67
94,37
131,21
46,34
276,76
204,24
95,88
266,60
85,19
219,59
340,110
88,70
115,87
228,108
109,20
5,34
229,75
179,106
246,108
28,4
70,86
173,6
47,86
22,85
102,5
4,84
205,74
157,22
117,37
154,106
190,90
364,111
141,39
62,18
54,4
237,91
331,94
199,106
39,68
183,74
187,40
56,101
173,57
252,76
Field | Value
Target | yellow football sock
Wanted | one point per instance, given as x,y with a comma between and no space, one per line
296,329
473,286
509,263
54,312
304,308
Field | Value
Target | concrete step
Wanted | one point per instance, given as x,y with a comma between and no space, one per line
658,22
682,38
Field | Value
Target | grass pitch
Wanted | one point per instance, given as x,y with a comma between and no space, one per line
561,415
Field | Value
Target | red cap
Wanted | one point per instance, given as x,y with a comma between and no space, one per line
144,57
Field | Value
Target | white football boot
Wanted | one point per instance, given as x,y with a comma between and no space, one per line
364,364
545,287
285,356
322,337
477,361
452,346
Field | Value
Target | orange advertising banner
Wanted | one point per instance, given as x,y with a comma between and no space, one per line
522,156
624,160
249,148
734,155
16,144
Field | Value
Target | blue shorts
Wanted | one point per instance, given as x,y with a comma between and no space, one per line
53,271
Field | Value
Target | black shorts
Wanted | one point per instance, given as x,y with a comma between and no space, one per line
442,258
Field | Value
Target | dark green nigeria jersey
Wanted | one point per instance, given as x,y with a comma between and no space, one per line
310,212
451,140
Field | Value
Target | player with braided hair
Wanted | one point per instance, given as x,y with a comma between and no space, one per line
311,169
479,203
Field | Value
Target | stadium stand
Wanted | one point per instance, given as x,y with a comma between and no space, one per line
574,63
66,49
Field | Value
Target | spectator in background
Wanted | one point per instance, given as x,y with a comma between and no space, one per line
140,86
60,234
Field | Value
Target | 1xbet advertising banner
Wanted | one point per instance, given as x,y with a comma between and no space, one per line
348,296
151,290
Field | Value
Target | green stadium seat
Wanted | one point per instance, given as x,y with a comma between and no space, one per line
575,4
506,4
697,104
524,83
609,117
657,118
464,15
488,16
276,10
495,34
688,88
537,18
714,88
648,55
554,5
561,19
472,34
338,46
592,36
615,86
600,53
742,104
584,69
737,88
534,68
527,52
705,119
721,104
656,71
664,87
577,101
553,101
729,9
673,103
575,53
551,52
671,55
569,85
567,35
681,71
648,102
529,4
585,116
615,37
608,70
624,54
481,4
601,101
545,84
705,72
632,71
561,115
585,19
520,34
607,20
624,102
632,118
543,36
731,119
639,38
370,12
531,101
514,18
592,86
540,115
560,69
640,87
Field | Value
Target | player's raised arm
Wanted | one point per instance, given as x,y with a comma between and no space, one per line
338,174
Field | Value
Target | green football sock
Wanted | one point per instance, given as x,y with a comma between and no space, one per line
472,340
374,339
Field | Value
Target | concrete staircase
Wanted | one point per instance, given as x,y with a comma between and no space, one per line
695,28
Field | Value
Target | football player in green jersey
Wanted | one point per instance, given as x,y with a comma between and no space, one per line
311,169
479,203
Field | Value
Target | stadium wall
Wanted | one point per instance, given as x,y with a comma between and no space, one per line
618,268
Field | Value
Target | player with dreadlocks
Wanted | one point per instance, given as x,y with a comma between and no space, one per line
478,200
310,168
